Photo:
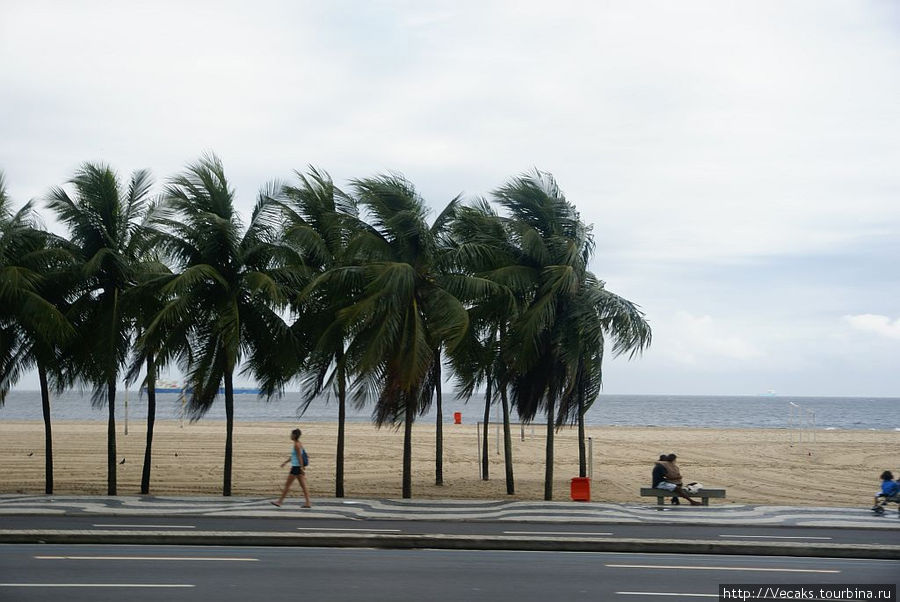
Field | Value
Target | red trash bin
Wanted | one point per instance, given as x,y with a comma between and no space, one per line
581,489
457,417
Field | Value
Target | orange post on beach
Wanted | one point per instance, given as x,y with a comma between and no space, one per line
581,489
457,417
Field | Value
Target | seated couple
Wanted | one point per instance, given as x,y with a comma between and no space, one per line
667,476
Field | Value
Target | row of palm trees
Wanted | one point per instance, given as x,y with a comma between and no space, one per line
354,295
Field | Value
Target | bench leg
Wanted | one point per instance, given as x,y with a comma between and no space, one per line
660,500
705,501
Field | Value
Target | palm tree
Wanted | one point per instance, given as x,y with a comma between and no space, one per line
147,300
103,220
32,327
596,314
445,270
320,225
559,334
553,247
224,303
481,248
403,314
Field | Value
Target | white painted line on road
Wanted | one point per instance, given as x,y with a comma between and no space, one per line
171,558
668,594
148,526
554,533
355,530
771,536
96,585
720,568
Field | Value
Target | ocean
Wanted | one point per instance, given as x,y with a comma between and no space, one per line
713,411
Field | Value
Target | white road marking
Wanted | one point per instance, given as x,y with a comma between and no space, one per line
148,526
772,536
668,594
96,585
554,533
338,529
172,558
720,568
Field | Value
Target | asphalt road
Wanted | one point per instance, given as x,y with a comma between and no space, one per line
320,525
239,574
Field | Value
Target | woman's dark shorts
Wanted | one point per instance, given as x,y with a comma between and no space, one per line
295,470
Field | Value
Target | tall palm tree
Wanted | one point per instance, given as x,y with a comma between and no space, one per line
553,247
103,219
596,314
225,299
147,300
445,271
59,279
559,335
403,313
481,248
321,222
32,326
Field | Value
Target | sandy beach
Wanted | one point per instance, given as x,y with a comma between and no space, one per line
756,466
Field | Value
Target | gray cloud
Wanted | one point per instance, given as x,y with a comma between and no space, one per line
738,161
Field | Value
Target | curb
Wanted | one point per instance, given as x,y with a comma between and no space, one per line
451,542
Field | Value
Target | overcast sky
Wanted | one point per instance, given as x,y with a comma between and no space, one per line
740,161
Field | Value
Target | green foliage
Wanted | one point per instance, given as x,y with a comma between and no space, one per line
31,324
106,231
373,291
223,300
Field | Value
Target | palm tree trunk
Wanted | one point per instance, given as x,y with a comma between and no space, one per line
48,433
342,417
548,472
582,463
507,443
111,484
407,446
439,424
111,438
484,440
151,419
229,430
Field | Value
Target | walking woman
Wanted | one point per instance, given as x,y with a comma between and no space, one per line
298,471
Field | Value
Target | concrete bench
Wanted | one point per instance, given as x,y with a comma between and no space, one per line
662,494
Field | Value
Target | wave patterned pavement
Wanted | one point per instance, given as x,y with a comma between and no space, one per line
452,510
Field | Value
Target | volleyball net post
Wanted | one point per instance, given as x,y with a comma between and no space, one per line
811,425
798,419
793,411
590,458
